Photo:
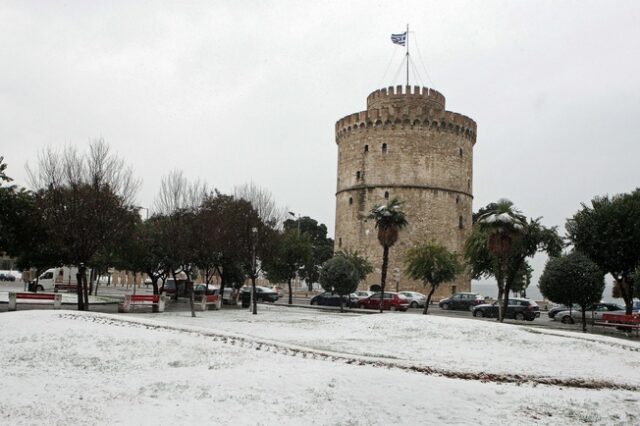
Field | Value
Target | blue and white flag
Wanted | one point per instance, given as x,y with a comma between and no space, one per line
400,39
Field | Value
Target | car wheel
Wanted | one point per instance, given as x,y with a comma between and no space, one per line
395,308
478,314
471,307
40,288
567,320
314,302
520,316
414,305
445,306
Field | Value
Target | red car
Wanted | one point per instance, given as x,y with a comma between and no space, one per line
391,301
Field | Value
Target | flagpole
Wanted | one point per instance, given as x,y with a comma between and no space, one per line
407,55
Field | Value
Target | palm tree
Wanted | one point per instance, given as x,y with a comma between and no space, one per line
500,243
501,225
390,219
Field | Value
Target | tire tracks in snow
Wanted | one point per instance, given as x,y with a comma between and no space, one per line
304,352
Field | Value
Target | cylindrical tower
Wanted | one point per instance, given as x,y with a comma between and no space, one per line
407,146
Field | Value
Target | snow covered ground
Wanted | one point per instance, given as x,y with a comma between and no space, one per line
297,367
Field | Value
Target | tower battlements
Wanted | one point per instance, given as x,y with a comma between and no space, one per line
415,117
394,97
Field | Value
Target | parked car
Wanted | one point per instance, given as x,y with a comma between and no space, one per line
462,301
594,312
263,294
520,309
416,300
200,289
329,299
559,308
390,301
363,294
175,289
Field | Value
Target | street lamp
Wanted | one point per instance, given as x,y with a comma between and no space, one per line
143,208
297,218
254,239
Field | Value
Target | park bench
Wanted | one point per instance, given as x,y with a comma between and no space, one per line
67,287
155,301
15,297
620,321
212,300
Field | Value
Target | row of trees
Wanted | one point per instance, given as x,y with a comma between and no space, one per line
82,212
602,238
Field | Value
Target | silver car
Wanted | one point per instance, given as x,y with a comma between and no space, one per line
416,300
593,313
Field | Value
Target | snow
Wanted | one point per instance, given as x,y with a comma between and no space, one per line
294,366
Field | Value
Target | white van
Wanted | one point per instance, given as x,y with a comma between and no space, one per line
64,276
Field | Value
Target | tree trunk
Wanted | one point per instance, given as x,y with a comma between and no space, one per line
91,280
189,288
428,302
584,318
500,280
626,292
505,302
85,290
383,274
254,302
79,290
290,292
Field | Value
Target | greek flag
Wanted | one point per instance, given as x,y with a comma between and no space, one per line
400,39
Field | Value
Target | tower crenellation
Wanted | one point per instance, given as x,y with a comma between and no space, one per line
405,145
406,96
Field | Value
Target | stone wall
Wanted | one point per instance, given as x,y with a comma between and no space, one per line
415,152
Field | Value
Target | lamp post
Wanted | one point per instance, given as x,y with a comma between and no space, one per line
144,208
297,218
254,239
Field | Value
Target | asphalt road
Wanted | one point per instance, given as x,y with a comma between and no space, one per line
118,292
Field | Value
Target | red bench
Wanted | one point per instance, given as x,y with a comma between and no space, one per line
621,321
210,300
15,297
155,301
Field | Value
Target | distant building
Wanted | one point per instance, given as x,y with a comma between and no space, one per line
405,145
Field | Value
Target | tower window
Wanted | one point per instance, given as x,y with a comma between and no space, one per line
366,148
460,222
457,199
350,200
386,195
469,183
460,152
358,174
384,148
339,242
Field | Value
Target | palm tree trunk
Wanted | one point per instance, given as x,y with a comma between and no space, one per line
383,274
505,302
428,302
290,291
500,280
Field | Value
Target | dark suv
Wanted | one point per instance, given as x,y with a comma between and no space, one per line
520,309
464,301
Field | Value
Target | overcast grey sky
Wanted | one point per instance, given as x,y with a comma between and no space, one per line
233,91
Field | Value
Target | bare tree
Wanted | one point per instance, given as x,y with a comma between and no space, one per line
263,202
85,203
177,193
